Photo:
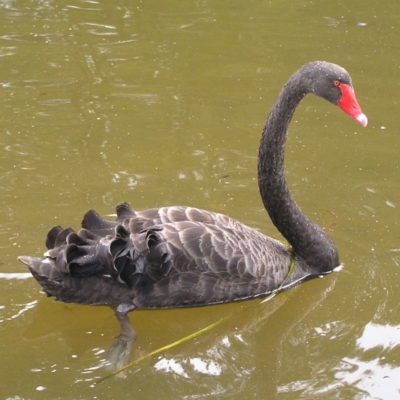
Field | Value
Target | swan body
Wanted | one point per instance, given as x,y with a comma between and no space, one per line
183,256
163,257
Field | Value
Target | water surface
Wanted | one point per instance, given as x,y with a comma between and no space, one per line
161,103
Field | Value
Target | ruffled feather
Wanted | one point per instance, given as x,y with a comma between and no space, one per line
166,257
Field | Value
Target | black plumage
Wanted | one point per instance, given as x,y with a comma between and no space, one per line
183,256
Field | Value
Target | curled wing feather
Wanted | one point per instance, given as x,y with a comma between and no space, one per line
163,257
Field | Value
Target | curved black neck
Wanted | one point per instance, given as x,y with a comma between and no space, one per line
307,239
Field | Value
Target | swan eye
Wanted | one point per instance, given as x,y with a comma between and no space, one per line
336,83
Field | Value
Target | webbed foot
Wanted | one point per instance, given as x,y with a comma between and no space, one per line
119,352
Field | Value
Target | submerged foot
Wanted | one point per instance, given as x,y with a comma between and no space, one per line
119,352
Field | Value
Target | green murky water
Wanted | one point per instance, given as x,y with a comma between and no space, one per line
161,103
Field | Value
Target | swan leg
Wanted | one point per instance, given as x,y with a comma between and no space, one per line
127,333
119,352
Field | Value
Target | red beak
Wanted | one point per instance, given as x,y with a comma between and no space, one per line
349,104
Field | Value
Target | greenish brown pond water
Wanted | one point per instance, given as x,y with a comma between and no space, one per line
163,103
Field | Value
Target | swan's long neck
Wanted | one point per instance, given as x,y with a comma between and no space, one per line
307,239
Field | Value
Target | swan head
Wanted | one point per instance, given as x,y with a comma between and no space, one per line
333,83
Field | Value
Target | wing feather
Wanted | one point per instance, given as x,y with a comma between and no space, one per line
166,257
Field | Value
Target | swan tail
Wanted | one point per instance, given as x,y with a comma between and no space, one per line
41,269
78,268
101,255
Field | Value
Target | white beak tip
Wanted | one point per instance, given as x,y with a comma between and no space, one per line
362,119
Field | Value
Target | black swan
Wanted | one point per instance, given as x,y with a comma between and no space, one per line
182,256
